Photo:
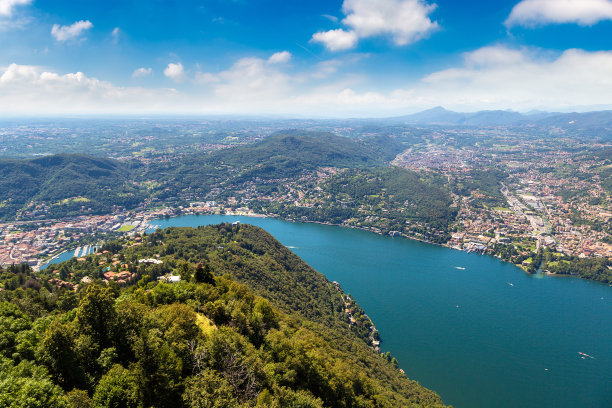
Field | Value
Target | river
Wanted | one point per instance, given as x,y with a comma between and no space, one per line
478,331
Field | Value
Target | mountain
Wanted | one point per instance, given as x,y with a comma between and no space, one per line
292,150
493,117
437,115
569,121
578,120
441,116
284,155
65,183
248,325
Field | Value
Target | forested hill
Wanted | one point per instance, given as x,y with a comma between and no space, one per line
73,184
248,325
283,155
309,150
65,183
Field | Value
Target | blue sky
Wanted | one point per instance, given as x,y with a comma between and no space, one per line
307,58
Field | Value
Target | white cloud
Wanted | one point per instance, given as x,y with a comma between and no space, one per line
540,12
331,18
7,6
406,21
65,33
249,83
115,35
26,89
495,77
279,57
175,72
498,77
142,72
336,40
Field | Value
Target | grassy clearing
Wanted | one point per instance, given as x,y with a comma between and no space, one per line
503,209
205,324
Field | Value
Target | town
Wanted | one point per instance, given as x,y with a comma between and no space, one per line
513,194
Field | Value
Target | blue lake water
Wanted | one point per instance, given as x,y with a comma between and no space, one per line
66,255
478,331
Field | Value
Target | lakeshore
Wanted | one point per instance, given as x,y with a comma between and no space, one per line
145,221
386,275
521,334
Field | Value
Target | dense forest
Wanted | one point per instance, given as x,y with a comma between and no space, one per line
72,184
485,182
281,156
248,324
66,184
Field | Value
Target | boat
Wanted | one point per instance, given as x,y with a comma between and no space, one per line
460,267
584,355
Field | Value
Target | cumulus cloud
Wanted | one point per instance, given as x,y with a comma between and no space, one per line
498,77
248,83
65,33
494,77
336,40
26,89
7,6
405,21
175,72
142,72
540,12
279,57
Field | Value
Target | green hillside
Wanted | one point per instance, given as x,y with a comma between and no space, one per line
288,153
284,155
249,324
64,183
387,198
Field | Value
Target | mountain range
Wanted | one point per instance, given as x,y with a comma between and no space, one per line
442,116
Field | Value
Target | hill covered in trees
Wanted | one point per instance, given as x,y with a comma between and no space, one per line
249,324
65,183
287,154
385,198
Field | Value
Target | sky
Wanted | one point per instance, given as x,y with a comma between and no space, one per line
316,58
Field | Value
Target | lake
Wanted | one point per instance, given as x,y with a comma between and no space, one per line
67,255
478,331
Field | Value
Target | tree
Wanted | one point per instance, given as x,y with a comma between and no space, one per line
79,399
203,274
118,389
57,352
96,315
28,386
209,390
185,272
67,300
